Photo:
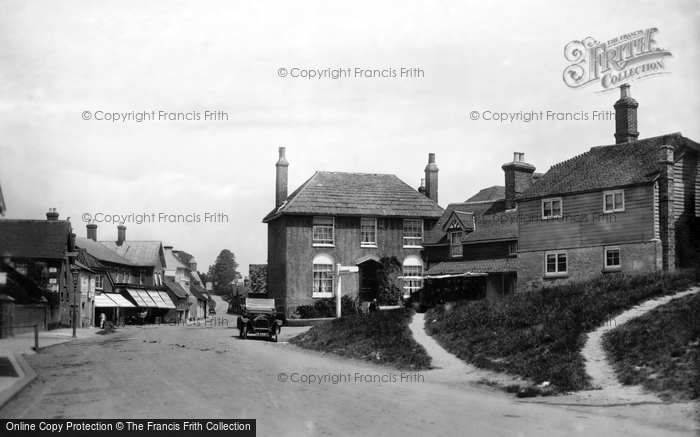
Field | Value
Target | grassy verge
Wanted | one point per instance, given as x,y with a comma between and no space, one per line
382,337
539,335
660,350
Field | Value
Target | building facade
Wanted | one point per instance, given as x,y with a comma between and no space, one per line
628,207
336,229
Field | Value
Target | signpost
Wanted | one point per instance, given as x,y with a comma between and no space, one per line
340,271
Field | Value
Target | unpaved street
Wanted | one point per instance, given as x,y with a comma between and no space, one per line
207,372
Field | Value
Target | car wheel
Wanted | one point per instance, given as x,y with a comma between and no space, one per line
244,335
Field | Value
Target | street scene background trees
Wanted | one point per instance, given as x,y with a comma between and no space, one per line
223,272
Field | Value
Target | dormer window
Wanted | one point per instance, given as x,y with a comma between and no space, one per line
456,244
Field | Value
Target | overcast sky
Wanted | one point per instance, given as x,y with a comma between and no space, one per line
60,59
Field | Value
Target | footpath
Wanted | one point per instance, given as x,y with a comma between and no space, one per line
15,373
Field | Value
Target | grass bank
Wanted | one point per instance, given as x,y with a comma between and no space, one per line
382,337
660,350
539,335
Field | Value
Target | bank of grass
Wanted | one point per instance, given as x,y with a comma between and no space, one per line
382,337
660,350
539,335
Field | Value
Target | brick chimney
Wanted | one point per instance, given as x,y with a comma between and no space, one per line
421,189
519,176
431,179
281,179
92,231
121,234
667,231
625,116
52,215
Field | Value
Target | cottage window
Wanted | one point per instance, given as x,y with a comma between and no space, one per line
322,276
612,258
613,201
412,275
412,232
551,208
368,229
456,244
556,263
323,231
99,282
513,248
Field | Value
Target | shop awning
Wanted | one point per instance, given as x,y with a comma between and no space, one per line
161,299
120,300
112,300
142,298
101,300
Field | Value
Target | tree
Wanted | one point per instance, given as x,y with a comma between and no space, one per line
223,271
388,284
258,278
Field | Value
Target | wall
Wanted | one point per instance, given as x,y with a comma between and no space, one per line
584,223
587,263
294,273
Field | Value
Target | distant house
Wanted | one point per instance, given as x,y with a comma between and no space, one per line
628,207
147,290
179,297
471,252
110,269
348,221
47,247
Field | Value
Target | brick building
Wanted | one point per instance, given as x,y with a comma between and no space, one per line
348,219
472,250
628,207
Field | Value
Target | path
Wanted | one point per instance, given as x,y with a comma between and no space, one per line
597,366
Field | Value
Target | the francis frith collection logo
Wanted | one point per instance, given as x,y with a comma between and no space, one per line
620,60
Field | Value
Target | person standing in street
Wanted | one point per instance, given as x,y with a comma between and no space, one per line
102,320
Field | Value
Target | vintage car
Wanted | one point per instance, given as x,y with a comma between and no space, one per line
258,316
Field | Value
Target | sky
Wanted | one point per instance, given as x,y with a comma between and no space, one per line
66,67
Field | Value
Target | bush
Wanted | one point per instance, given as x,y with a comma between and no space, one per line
539,334
382,337
56,325
326,308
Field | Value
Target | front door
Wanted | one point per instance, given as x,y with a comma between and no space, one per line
368,280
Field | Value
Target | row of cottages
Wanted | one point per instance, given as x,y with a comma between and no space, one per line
345,222
125,280
40,251
633,206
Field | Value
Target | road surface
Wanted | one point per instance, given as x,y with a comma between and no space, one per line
205,371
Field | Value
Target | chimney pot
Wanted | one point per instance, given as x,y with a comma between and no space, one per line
52,215
519,176
121,234
625,116
431,179
281,178
92,231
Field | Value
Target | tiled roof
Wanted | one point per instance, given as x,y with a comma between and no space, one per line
88,260
34,238
491,222
140,253
101,251
631,163
489,194
198,292
484,266
175,287
358,194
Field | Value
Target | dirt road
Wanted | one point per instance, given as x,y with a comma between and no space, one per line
205,371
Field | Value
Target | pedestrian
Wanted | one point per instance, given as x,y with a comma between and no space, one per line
103,318
373,306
